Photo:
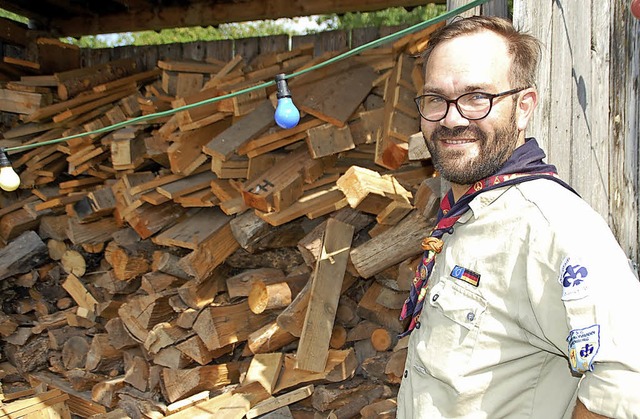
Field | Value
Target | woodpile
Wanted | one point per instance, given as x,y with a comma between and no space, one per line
208,263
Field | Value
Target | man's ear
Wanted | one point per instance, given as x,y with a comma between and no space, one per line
526,105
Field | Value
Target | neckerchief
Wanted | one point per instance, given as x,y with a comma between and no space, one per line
525,164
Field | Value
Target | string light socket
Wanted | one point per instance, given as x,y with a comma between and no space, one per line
287,115
9,179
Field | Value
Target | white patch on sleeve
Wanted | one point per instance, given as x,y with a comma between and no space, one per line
574,277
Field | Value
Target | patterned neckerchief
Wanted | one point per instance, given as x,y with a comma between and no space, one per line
526,163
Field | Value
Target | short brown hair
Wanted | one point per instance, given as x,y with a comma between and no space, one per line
524,48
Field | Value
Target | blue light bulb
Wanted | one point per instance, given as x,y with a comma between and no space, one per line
287,115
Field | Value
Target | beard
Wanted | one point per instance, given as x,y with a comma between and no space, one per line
493,151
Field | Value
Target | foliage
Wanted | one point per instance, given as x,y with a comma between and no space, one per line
389,17
12,16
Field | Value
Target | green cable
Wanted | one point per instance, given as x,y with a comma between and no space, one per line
354,51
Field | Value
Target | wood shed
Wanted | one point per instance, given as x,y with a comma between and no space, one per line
205,262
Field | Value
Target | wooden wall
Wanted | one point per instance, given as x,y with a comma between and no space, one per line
589,115
248,48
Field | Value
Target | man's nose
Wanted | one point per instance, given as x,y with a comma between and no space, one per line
453,118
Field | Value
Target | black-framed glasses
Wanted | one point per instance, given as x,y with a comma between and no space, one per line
472,106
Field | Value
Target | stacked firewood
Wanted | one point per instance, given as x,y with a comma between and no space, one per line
206,262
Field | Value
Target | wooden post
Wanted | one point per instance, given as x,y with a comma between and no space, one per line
491,8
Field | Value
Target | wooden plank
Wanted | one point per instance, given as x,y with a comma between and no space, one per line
80,294
139,77
79,402
328,139
275,403
211,252
192,231
22,254
40,403
187,185
86,107
188,66
72,82
337,98
325,293
280,186
21,102
224,145
277,136
185,154
309,202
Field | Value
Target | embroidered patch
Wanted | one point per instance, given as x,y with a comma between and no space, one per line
583,347
466,275
573,277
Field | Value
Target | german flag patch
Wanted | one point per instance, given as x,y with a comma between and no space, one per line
466,275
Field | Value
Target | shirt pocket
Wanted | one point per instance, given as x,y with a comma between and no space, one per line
451,329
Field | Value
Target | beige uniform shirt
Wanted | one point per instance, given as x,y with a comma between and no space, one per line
530,284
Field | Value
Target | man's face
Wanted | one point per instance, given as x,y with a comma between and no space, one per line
466,151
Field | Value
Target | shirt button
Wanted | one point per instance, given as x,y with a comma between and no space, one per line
417,325
406,372
435,297
471,316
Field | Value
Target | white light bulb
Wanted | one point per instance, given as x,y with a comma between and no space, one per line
9,179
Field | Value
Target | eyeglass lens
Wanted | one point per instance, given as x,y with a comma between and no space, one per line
471,106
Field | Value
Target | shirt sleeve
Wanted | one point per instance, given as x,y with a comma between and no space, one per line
600,294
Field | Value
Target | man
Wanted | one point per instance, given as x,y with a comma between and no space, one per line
524,304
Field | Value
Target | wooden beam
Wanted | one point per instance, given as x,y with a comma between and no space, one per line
202,14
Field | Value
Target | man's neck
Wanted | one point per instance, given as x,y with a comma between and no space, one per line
459,190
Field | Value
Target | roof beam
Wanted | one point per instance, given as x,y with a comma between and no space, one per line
207,13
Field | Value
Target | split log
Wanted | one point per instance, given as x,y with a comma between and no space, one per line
224,325
383,409
126,265
383,339
140,313
102,357
197,294
264,369
240,285
269,338
177,384
369,309
341,364
264,296
105,392
210,253
74,352
195,349
22,254
119,338
399,243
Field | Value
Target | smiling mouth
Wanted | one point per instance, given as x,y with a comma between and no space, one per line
458,141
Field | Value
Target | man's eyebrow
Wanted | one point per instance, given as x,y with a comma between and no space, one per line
468,89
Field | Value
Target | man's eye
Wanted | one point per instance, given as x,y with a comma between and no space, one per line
478,96
433,99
